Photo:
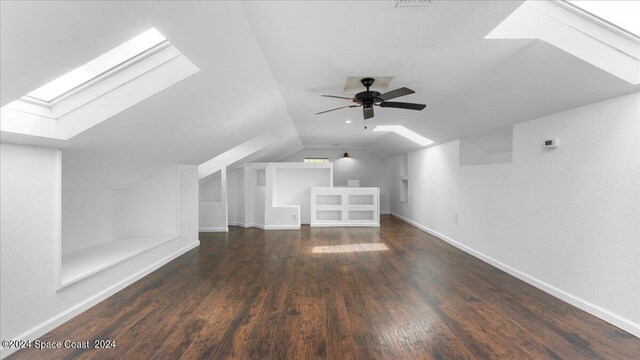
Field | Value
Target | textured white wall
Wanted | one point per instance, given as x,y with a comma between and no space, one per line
148,208
361,165
564,219
30,302
235,192
211,188
30,217
213,202
88,219
293,187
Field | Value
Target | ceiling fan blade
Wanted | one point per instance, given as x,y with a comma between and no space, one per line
338,97
341,107
368,113
395,93
402,105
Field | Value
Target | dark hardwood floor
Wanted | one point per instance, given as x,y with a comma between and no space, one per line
256,294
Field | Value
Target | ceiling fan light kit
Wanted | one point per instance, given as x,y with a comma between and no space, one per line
368,99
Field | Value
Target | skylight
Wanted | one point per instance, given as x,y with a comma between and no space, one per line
403,131
98,90
100,65
623,14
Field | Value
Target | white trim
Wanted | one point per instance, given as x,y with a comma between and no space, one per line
237,223
265,227
387,212
214,229
242,225
46,326
345,224
280,227
595,310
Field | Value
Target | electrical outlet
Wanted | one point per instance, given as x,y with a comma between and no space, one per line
455,217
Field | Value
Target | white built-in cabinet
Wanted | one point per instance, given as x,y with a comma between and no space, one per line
345,206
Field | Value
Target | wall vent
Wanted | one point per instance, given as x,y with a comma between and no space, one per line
412,3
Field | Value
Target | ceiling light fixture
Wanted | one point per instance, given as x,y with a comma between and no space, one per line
348,122
346,155
403,131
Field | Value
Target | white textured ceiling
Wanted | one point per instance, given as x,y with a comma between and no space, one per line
265,65
472,86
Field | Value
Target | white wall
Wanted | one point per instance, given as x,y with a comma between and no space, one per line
148,208
249,195
211,187
565,220
272,195
293,187
258,205
88,219
235,200
213,202
361,165
472,154
31,304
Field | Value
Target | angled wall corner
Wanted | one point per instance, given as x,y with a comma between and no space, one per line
236,154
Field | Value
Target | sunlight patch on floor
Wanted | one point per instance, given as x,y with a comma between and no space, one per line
349,248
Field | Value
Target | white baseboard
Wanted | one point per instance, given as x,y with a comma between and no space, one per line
43,328
595,310
343,224
385,212
214,229
267,227
281,227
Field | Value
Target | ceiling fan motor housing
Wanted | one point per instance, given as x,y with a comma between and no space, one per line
368,99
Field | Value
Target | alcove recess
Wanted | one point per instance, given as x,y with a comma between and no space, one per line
104,227
404,179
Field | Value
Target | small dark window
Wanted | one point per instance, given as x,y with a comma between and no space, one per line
316,160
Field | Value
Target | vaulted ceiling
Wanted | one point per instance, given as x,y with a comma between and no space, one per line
264,66
472,86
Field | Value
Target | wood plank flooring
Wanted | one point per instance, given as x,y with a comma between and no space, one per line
251,294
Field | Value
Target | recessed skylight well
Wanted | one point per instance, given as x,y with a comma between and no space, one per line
622,14
97,67
403,131
112,82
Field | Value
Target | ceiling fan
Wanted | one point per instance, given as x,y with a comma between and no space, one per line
368,99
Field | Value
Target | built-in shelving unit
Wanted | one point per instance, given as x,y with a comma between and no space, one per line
345,206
